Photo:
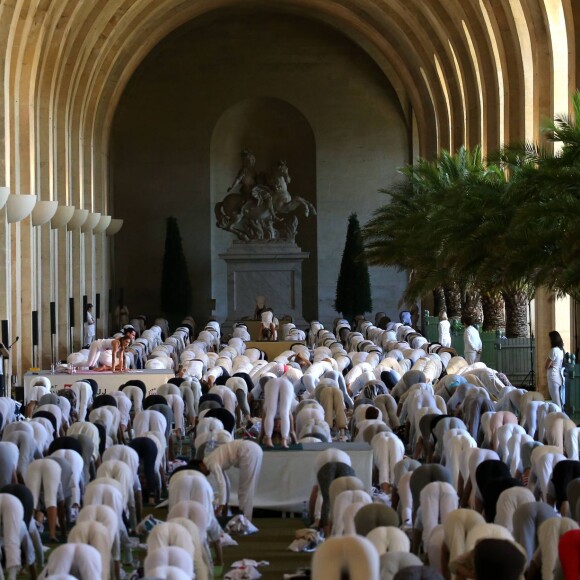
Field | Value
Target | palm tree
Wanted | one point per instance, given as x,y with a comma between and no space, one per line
439,300
487,209
451,207
545,229
392,234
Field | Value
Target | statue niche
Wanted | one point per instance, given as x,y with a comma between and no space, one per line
262,209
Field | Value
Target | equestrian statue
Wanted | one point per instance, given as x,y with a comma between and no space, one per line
263,209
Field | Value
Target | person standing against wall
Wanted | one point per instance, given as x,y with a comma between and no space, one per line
444,329
472,344
555,369
89,326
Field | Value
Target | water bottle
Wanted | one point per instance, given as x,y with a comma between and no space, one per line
305,516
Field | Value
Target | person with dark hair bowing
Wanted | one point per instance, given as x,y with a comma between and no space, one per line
554,369
240,453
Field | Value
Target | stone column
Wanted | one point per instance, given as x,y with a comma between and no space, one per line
46,290
63,281
5,279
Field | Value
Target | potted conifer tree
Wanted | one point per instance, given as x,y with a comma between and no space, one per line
175,283
353,289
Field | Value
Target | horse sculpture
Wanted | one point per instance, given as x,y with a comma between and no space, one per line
263,210
281,199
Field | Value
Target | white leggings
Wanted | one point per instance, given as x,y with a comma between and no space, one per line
177,406
333,402
388,450
95,350
106,516
355,554
556,389
169,556
438,499
11,515
149,421
80,560
44,474
169,534
406,499
96,535
84,393
341,503
278,395
306,414
76,464
249,463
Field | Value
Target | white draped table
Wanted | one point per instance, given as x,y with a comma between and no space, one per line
287,477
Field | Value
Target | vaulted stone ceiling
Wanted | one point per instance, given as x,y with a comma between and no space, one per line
467,70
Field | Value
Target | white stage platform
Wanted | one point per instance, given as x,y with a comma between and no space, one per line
107,381
287,477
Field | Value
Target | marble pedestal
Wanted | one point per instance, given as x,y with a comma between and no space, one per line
270,269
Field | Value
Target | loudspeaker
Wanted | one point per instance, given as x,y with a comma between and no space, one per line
35,327
98,306
5,337
71,312
85,302
53,318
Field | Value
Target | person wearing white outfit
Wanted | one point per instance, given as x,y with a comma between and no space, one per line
40,386
84,393
95,534
269,325
104,515
243,454
43,478
278,397
79,560
115,359
472,344
444,329
555,370
11,519
89,326
169,556
96,348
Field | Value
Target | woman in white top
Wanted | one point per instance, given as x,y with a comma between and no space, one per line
555,370
444,330
89,326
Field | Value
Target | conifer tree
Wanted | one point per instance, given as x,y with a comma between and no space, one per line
175,283
353,289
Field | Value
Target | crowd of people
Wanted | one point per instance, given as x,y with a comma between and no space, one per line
471,474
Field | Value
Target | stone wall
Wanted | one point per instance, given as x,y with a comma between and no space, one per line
283,86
